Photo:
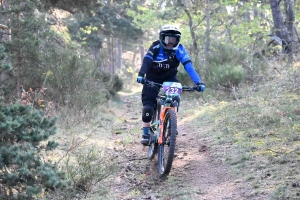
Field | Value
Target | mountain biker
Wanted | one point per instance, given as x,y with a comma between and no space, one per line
159,65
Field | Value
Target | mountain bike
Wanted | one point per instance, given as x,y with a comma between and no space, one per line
163,127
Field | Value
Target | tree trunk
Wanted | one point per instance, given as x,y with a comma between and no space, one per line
207,40
112,56
110,50
142,52
19,73
193,34
119,54
290,20
282,30
95,54
247,16
191,26
255,13
19,64
133,58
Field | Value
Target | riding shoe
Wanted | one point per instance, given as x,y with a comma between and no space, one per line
145,140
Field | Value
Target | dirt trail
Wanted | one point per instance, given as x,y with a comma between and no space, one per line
195,173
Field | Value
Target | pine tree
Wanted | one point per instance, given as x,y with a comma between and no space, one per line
23,173
28,30
4,67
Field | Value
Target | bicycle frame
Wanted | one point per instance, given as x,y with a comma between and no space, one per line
160,123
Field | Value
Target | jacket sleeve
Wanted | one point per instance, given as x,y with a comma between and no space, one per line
192,73
148,58
185,60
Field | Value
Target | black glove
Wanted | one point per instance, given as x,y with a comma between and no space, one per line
200,87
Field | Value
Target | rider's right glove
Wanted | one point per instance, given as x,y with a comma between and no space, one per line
140,79
200,87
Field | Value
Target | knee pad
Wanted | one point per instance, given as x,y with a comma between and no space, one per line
147,113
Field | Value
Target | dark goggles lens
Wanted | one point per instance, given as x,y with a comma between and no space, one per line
170,40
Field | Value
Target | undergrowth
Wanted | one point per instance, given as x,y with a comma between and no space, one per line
261,131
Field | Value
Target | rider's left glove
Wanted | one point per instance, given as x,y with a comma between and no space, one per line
200,87
140,79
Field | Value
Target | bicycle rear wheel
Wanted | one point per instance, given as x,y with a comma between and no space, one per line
167,149
152,150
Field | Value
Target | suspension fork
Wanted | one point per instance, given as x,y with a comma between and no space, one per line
161,122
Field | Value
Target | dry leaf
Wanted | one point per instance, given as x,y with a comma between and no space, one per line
40,101
24,94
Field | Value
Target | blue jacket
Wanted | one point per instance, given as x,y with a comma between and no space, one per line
160,65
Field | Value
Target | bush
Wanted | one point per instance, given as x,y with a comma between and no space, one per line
225,53
87,168
255,67
183,77
23,173
225,75
117,85
75,83
224,66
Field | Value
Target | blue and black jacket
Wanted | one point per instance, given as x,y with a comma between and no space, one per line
159,65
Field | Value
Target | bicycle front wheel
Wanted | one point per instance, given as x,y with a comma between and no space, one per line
166,150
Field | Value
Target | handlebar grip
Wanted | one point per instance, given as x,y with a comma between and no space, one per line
189,88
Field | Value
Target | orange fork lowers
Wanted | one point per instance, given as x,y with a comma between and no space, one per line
161,123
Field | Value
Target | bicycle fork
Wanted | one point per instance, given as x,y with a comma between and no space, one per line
161,125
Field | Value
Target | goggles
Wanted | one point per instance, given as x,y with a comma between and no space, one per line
170,40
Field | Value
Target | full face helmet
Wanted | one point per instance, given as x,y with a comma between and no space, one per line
169,37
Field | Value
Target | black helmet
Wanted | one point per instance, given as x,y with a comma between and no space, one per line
169,37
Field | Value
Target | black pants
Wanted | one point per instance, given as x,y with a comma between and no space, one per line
149,94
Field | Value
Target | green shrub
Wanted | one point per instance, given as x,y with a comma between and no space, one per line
75,83
225,75
23,173
87,168
183,77
225,66
225,53
255,67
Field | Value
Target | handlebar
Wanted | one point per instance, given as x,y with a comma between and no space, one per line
189,88
184,88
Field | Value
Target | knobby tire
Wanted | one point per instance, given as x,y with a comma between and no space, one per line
167,149
152,150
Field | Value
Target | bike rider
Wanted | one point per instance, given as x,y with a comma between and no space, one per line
159,65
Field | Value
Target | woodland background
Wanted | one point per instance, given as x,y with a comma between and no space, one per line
62,59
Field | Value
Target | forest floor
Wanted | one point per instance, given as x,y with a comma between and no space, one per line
198,171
